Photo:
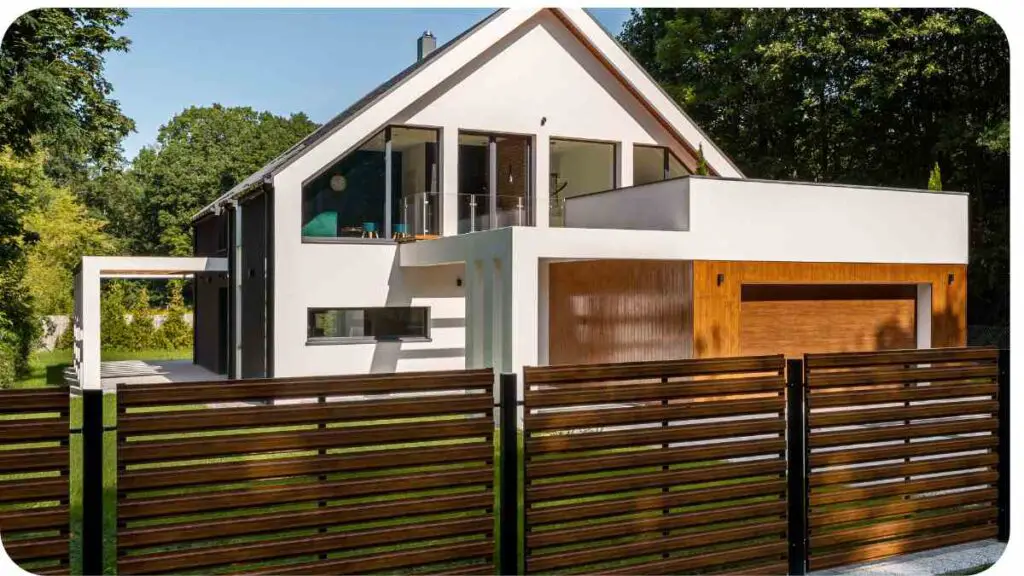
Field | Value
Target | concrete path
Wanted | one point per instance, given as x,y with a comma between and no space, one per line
152,372
951,559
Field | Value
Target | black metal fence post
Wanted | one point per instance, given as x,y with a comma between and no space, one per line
510,520
92,482
796,430
1004,446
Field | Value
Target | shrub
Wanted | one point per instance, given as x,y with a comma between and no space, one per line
66,340
141,335
174,333
8,362
114,332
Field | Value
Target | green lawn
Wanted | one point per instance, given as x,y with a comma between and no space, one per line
46,368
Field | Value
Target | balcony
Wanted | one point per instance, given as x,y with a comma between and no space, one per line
420,213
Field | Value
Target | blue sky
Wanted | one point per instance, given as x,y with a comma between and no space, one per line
282,60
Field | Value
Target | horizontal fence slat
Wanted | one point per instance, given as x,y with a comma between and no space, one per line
878,415
901,546
316,464
135,508
638,370
653,413
387,560
820,519
146,451
885,471
37,548
34,459
644,437
563,490
860,455
914,356
221,418
902,527
659,523
298,546
34,518
314,517
34,489
686,564
903,488
301,387
900,376
34,430
640,392
635,504
932,392
591,555
845,437
656,456
29,401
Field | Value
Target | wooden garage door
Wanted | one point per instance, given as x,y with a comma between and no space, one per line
796,319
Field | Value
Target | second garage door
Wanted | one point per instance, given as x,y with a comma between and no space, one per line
797,319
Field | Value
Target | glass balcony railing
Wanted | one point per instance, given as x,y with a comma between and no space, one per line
421,213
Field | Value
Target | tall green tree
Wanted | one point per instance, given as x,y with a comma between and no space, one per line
200,154
862,96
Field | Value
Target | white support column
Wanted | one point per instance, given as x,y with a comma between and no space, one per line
487,315
624,164
475,314
450,182
87,328
520,281
541,180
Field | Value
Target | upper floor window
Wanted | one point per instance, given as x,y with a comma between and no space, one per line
382,189
579,167
654,164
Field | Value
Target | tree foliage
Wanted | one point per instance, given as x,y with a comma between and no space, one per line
200,154
174,333
935,178
862,96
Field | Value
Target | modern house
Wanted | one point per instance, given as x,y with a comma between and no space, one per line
526,194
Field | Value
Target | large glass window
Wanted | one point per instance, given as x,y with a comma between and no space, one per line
654,164
578,167
362,324
350,199
494,181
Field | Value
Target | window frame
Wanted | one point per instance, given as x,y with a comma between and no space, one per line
666,164
334,340
616,146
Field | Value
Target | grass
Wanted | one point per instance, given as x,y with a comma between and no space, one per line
46,368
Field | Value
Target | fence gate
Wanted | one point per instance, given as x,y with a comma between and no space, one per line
34,473
902,452
341,475
656,467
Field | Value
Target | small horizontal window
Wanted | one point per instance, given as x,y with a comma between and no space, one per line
368,324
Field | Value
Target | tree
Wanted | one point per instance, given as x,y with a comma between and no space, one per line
113,323
140,331
64,232
861,96
935,178
702,163
174,333
200,154
52,86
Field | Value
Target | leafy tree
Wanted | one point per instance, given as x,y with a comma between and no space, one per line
64,232
174,333
200,154
702,163
141,332
115,195
935,178
52,86
862,96
114,334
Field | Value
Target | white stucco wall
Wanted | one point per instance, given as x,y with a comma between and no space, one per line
728,219
357,275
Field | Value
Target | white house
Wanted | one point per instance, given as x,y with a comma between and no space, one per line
523,195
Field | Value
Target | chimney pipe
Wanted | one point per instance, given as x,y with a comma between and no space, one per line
425,44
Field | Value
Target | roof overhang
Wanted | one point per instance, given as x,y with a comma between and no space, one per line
150,266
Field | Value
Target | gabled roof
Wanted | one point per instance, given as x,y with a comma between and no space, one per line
366,102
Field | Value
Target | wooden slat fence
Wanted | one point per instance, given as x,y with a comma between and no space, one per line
34,475
352,474
902,452
656,467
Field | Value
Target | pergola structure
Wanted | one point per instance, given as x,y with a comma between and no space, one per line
87,299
